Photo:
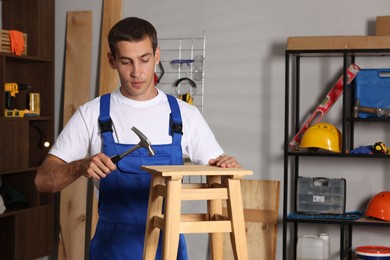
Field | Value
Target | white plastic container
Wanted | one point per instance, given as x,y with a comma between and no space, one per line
311,247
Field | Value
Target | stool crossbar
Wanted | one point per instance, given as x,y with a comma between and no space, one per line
167,189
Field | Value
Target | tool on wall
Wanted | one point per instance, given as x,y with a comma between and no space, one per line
144,142
158,73
197,68
185,92
323,108
181,63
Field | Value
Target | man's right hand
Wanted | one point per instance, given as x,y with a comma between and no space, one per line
54,174
98,166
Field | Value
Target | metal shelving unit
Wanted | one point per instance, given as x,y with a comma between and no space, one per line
293,160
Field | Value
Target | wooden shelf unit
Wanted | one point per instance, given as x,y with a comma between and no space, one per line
28,231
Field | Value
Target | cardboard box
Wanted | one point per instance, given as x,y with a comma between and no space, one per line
5,42
338,42
382,26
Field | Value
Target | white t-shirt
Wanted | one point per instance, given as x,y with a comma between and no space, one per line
81,136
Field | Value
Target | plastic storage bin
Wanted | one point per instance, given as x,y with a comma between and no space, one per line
321,195
373,90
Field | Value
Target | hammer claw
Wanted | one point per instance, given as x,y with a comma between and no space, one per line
144,142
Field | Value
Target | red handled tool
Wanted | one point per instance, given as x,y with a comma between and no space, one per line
325,105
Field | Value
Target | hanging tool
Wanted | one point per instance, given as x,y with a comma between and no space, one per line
145,143
158,76
181,63
325,105
185,95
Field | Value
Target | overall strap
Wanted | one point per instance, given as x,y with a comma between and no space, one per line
175,122
105,122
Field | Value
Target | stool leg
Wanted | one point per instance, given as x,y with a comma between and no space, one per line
172,219
215,207
154,209
236,213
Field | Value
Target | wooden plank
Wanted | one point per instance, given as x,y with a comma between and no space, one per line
112,12
76,92
195,170
260,197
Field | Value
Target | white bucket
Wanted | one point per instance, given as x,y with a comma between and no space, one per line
311,247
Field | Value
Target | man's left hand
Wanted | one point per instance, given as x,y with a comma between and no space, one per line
225,161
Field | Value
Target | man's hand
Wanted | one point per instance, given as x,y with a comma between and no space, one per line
98,166
225,161
54,174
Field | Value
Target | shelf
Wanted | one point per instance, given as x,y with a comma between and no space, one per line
25,57
35,118
20,170
28,232
339,53
362,221
13,212
294,161
370,119
323,154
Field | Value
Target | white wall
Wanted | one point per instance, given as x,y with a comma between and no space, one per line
244,90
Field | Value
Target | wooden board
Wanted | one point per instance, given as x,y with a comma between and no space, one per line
76,92
112,12
261,205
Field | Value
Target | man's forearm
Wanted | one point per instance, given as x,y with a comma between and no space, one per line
54,174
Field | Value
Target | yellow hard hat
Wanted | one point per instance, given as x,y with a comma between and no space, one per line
322,136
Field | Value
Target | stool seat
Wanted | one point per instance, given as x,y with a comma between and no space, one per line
167,189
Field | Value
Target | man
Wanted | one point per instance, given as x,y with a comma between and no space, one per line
101,129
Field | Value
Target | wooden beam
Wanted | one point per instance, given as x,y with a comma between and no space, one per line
108,81
76,92
112,12
261,205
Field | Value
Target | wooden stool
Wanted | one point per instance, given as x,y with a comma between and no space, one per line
222,184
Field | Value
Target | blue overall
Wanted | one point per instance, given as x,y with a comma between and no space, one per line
123,194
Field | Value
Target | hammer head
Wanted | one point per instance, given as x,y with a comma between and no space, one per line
356,108
144,141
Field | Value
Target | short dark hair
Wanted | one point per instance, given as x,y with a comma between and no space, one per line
132,29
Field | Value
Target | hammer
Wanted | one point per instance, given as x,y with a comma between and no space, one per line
370,110
145,143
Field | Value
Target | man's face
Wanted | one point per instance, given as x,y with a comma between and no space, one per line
135,63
